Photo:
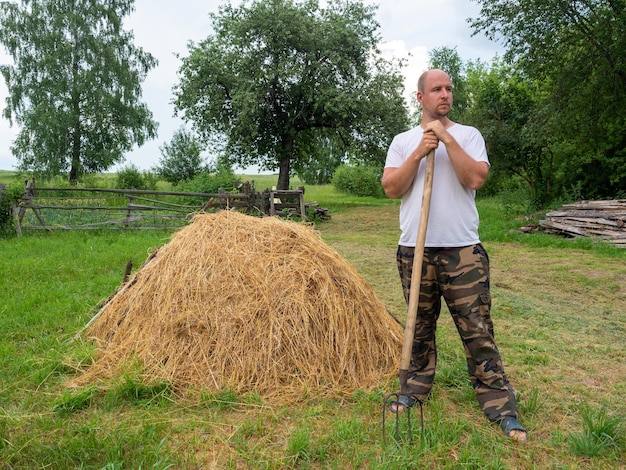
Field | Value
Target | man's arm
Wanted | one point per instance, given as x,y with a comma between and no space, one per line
471,173
397,181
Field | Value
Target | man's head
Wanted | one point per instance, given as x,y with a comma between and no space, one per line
434,93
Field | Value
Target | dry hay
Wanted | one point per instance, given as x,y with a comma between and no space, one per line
249,304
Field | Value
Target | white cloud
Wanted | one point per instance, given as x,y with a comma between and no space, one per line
416,62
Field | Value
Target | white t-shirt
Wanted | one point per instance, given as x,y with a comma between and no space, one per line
453,219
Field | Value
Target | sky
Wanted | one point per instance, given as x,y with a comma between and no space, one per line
165,27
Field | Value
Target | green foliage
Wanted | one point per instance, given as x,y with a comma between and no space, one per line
285,75
530,403
506,107
221,400
74,401
93,180
150,179
9,196
130,177
74,88
134,390
211,183
571,81
181,159
320,165
298,446
358,180
601,434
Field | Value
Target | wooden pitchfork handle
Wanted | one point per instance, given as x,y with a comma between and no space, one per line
416,276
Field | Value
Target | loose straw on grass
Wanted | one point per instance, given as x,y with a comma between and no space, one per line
249,304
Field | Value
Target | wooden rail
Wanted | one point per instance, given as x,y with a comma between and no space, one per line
93,208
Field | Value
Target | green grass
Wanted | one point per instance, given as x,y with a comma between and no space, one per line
559,308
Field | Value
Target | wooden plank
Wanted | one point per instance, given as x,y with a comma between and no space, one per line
16,219
589,222
597,205
562,227
619,215
605,219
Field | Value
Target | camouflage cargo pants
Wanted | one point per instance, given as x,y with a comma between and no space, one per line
461,277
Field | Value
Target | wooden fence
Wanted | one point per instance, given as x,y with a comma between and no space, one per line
92,208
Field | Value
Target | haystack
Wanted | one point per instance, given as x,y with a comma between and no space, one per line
249,304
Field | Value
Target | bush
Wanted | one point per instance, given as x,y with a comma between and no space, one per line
358,180
9,196
181,159
130,177
211,183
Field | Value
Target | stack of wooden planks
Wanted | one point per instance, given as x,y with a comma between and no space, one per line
600,219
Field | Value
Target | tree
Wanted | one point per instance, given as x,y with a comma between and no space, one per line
277,77
74,87
448,60
508,109
323,159
576,49
181,159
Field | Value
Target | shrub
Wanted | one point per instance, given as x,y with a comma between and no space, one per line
210,183
9,196
130,177
358,180
181,159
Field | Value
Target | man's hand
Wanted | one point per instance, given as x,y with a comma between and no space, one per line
437,129
397,181
429,142
470,172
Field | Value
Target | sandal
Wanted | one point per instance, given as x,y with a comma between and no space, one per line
511,428
403,403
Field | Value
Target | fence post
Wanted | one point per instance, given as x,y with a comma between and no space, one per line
129,209
223,199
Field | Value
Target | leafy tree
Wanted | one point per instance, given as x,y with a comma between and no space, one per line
576,50
277,77
509,109
318,165
448,60
506,107
74,87
181,159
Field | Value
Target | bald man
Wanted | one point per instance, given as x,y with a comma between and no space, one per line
455,264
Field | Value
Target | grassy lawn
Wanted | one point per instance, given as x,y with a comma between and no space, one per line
559,308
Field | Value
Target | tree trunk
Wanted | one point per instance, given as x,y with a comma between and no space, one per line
284,166
75,168
75,163
283,173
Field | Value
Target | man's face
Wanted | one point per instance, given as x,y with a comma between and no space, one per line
436,99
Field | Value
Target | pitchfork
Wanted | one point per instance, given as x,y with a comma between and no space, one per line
409,328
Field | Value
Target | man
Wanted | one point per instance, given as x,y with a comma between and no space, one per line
456,266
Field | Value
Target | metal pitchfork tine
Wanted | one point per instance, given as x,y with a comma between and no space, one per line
394,398
411,316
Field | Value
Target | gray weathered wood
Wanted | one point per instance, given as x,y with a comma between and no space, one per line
600,219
